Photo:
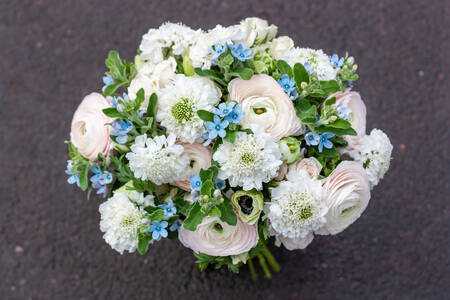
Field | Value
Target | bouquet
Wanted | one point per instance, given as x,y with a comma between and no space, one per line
224,139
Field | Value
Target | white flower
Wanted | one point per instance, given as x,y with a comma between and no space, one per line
179,103
217,238
296,207
240,258
251,160
317,59
152,77
158,160
311,165
199,52
139,198
177,36
279,46
374,153
347,194
257,30
120,220
291,243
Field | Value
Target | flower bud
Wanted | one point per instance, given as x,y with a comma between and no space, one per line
249,205
354,68
290,149
303,85
351,60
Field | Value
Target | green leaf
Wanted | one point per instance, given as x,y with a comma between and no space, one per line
205,174
211,74
151,209
216,144
112,112
110,89
182,206
230,137
336,131
340,123
284,68
140,98
330,86
227,212
306,112
207,187
115,65
157,215
143,242
300,75
330,101
195,217
215,212
244,73
328,152
83,175
205,115
151,108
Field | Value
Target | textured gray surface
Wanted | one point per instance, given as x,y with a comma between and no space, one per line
52,54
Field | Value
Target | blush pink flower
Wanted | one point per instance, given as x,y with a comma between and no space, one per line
89,132
217,238
265,103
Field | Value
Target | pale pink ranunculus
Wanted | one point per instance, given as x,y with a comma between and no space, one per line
89,132
311,165
217,238
199,157
356,115
265,103
347,194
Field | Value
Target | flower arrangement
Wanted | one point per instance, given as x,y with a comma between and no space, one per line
223,139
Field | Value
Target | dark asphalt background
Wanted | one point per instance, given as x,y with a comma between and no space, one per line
52,54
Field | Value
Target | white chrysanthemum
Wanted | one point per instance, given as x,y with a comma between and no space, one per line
140,199
175,35
199,52
158,160
296,207
120,219
317,59
251,160
179,103
374,152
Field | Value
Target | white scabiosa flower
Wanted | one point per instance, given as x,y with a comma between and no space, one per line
318,61
179,103
296,207
177,36
120,219
374,152
200,52
251,160
158,160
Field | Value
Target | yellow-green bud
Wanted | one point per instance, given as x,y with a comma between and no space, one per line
289,149
303,85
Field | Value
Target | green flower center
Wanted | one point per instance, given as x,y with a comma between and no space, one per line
247,158
347,211
218,227
306,213
183,111
127,222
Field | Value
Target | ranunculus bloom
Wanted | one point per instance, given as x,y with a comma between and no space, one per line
217,238
311,165
89,132
152,77
356,113
279,46
347,194
199,157
265,103
256,30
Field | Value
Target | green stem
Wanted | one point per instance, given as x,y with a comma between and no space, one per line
252,270
270,259
264,266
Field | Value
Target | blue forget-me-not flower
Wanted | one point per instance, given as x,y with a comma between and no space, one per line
168,208
100,179
217,128
196,182
336,61
121,129
324,142
236,115
158,230
224,109
288,85
107,80
73,178
176,225
241,52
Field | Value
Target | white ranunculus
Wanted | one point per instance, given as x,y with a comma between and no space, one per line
89,132
266,104
199,158
279,46
311,165
257,30
217,238
374,153
152,77
351,107
347,194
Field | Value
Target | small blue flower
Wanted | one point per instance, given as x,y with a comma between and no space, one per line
224,109
241,52
73,178
121,129
107,80
218,50
217,128
176,225
288,85
168,208
119,101
196,182
205,136
219,184
336,61
236,115
312,139
308,67
100,180
158,230
343,111
324,142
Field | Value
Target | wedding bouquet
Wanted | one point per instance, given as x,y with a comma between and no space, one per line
223,139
